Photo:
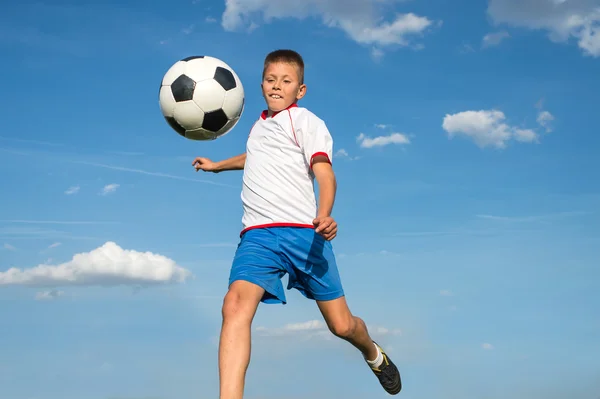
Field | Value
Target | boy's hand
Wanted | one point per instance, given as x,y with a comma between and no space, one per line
205,164
326,226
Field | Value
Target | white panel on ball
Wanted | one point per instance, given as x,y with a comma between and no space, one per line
189,115
203,68
166,101
173,73
234,101
209,95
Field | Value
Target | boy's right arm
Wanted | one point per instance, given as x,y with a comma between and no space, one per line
233,163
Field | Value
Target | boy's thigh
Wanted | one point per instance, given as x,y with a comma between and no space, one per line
312,266
256,261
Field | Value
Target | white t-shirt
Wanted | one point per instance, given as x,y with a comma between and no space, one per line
278,183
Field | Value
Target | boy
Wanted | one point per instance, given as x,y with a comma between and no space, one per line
284,229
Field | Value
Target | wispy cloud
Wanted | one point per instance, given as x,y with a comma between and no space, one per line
9,247
27,141
315,329
38,233
380,141
497,225
49,295
487,346
531,218
120,168
72,190
545,120
494,39
342,153
148,173
188,29
109,189
49,248
544,117
26,221
108,265
425,233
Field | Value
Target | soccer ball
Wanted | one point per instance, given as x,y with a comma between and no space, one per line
201,97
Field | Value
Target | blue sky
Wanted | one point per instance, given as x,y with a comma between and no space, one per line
469,188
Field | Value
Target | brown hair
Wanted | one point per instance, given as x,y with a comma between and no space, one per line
286,56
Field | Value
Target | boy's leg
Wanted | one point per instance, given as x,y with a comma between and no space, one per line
255,276
315,274
239,308
343,324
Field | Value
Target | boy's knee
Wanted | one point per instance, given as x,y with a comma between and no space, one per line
343,327
240,302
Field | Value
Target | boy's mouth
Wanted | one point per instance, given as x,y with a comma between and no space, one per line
276,96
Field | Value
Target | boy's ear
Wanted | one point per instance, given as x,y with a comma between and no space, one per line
301,91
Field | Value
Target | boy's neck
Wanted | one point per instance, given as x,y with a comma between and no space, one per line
270,112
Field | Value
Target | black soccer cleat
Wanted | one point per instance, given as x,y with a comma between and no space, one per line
388,374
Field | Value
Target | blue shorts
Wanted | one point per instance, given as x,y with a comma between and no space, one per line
265,255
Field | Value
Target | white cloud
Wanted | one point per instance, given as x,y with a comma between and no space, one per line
562,20
188,29
72,190
316,329
446,293
525,135
9,247
342,153
49,295
362,20
487,346
109,188
494,39
380,141
545,119
108,265
56,244
485,128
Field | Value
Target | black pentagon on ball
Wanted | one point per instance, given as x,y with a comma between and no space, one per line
192,57
215,120
183,88
176,126
225,78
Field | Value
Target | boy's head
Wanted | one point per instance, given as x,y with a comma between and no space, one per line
283,79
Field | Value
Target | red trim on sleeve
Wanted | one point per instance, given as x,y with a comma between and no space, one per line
319,154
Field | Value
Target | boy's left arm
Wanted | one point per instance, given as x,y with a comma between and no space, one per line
324,223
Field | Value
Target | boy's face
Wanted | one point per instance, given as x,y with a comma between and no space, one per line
281,86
